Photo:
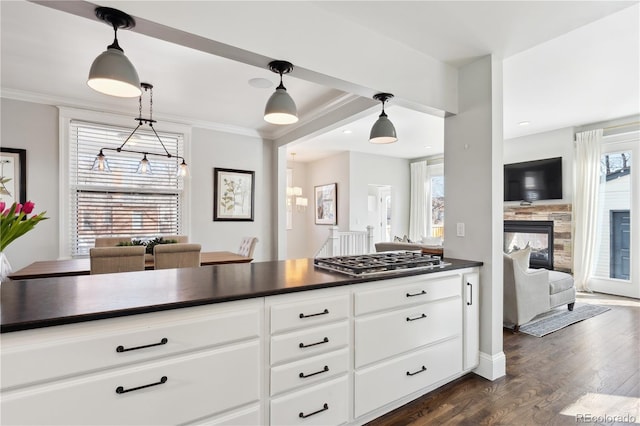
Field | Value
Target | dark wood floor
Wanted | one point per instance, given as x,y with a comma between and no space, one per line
592,367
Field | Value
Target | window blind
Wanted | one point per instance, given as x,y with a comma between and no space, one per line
122,202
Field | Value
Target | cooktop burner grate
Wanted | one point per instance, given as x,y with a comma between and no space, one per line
380,263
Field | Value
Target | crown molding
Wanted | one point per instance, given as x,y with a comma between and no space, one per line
61,101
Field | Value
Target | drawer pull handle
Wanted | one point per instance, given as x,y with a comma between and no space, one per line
470,294
417,318
325,407
325,340
324,370
121,348
416,294
325,312
120,389
423,369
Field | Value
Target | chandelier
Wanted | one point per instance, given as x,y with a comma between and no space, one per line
100,164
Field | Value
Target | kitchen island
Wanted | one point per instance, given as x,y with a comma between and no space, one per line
262,343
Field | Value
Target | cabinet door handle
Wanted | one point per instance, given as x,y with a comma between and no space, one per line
417,318
121,348
120,389
324,370
423,369
470,294
420,293
325,340
325,312
325,407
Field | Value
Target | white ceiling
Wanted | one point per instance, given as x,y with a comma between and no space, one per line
566,64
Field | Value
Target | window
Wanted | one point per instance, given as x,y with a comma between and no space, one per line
121,203
435,199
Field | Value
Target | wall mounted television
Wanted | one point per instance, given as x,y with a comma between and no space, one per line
533,180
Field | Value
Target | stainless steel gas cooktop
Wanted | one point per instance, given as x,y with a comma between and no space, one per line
380,263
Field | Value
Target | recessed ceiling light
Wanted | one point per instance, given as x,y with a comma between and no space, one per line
428,147
524,123
347,132
260,83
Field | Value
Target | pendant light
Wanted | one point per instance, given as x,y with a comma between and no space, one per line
144,167
280,108
111,72
383,131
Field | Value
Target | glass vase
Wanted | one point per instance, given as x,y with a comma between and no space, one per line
5,267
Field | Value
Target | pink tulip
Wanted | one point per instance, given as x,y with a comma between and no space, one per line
18,208
28,207
6,212
2,206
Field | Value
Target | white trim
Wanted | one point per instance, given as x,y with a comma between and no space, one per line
492,367
80,105
66,114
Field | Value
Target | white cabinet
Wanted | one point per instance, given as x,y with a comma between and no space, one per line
342,355
78,375
471,305
309,352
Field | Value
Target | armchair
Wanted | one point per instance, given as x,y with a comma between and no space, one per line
531,292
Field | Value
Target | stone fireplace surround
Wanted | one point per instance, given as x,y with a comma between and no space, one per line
561,215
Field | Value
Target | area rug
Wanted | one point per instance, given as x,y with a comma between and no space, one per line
560,318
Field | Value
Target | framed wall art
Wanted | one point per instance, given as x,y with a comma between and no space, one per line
233,194
326,197
13,175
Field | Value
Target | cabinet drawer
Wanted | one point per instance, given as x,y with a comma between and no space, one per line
406,291
85,347
197,385
391,333
325,404
243,417
304,313
309,342
308,371
404,375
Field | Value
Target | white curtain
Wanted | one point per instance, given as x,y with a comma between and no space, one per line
585,205
418,211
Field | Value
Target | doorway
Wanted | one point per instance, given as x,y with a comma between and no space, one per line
380,212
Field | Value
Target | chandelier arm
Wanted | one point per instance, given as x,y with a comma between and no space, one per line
160,140
128,137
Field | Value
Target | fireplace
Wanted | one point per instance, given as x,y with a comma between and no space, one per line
537,233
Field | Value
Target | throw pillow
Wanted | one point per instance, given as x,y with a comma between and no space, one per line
521,257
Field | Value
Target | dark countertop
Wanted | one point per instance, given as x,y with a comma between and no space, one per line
36,303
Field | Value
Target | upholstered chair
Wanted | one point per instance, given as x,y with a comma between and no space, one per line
176,238
111,241
180,255
104,260
531,292
247,245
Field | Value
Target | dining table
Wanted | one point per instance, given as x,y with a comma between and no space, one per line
81,266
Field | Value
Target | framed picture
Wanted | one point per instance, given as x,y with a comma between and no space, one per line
13,175
233,194
326,204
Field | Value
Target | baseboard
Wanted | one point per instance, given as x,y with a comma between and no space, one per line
492,367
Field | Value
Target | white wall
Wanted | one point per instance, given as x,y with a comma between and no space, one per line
327,170
34,127
368,169
297,236
556,143
473,196
209,149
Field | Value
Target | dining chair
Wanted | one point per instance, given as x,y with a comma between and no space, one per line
179,255
111,241
176,238
247,245
104,260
